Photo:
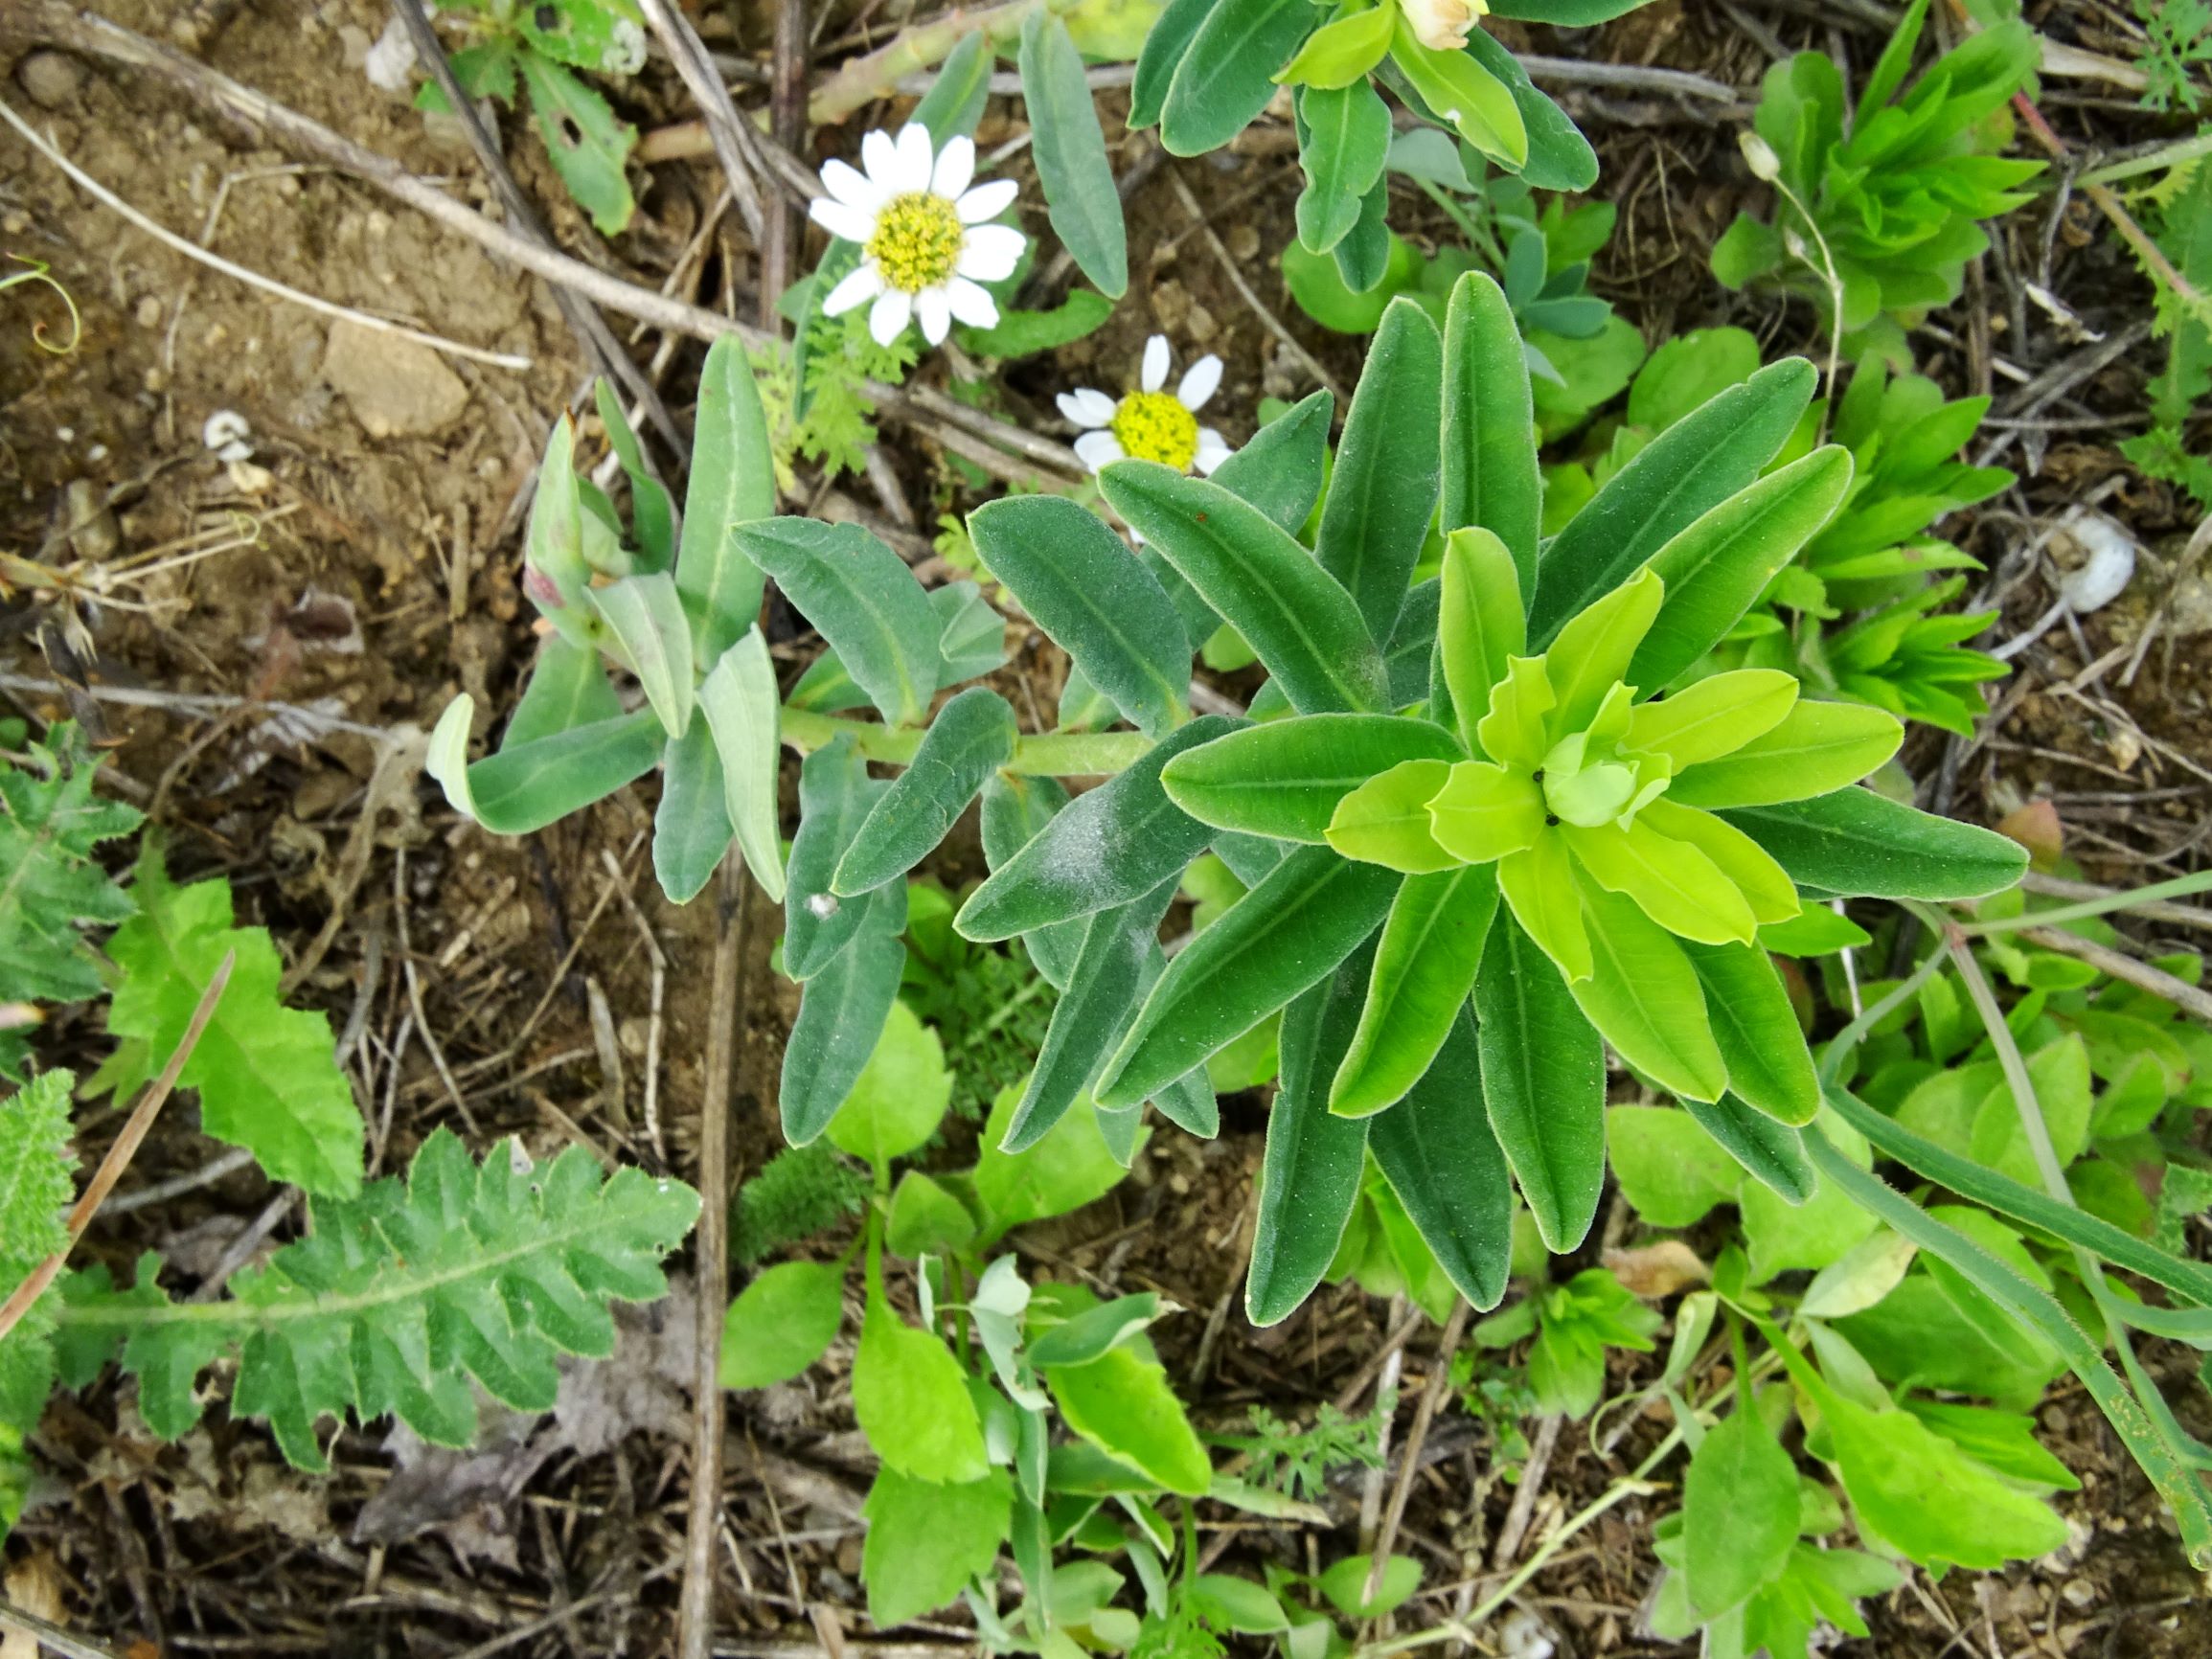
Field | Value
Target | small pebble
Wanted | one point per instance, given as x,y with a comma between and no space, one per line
147,315
50,79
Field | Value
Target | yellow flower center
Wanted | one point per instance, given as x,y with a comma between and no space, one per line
916,241
1155,426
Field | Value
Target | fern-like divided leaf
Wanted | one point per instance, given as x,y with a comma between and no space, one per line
397,1298
35,1190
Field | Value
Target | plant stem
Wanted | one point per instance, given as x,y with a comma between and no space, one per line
2133,898
2174,154
861,80
1855,1034
1049,754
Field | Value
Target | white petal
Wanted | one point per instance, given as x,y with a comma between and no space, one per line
955,169
991,253
888,319
1098,449
915,161
856,289
852,187
1087,407
970,304
1213,450
987,201
880,157
1201,383
841,220
1157,363
935,313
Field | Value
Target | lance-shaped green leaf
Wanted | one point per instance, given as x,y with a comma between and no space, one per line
1540,885
1671,881
1717,568
836,794
1436,1151
1559,156
1713,717
1857,842
1543,1084
1309,1173
1643,995
531,785
1311,912
1115,844
1591,653
1385,821
1772,1152
1343,141
568,687
1686,471
862,599
1484,812
1382,494
1284,779
1340,54
1166,46
1119,961
1461,91
652,514
1296,617
1281,470
1095,598
691,828
1813,749
972,738
1071,154
1425,967
841,1014
1490,460
739,700
1015,810
733,481
1226,74
1479,624
1768,1064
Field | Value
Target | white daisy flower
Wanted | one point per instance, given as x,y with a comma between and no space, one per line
926,234
1150,423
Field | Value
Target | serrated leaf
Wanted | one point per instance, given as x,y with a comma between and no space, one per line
1543,1084
266,1073
1121,1403
510,1264
1382,493
50,883
1071,154
862,599
972,736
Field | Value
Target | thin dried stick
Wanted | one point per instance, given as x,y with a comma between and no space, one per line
1229,268
1431,1396
780,246
253,278
2140,974
725,125
695,1609
120,1154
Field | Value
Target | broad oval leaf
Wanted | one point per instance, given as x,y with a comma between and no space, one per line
862,599
1686,471
1768,1064
1436,1150
1382,493
733,481
901,1096
1095,598
1490,452
1226,74
1543,1082
1310,1171
912,1398
1856,842
1644,996
1425,967
1816,748
1114,844
739,700
1312,911
1296,617
1740,1510
1284,779
1385,821
781,1322
834,796
691,828
928,1541
1121,1403
972,738
1071,154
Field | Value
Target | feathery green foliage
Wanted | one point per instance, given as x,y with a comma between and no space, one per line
799,1191
35,1190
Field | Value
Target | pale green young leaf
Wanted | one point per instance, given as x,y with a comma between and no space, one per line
925,1220
1479,624
1437,1153
1345,1584
901,1095
733,481
35,1192
1544,1084
1672,882
911,1400
1740,1510
1340,53
1768,1064
1749,866
864,602
1071,154
1491,480
1484,812
782,1321
1309,914
1668,1168
739,700
1855,841
928,1541
1782,1235
1712,716
1541,886
1816,748
1310,1171
1385,821
1298,618
1095,598
1285,779
1382,493
1514,730
1593,649
1121,1403
1070,1166
266,1073
972,736
1478,105
1643,996
1430,947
